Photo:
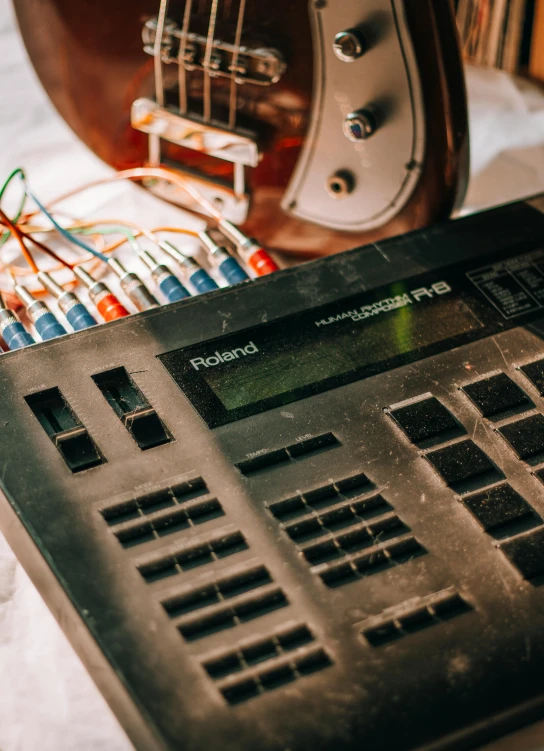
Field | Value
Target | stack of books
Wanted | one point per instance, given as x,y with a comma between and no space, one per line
493,32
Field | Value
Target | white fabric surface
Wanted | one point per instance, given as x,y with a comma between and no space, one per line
47,700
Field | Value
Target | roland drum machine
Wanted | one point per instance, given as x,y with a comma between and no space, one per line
304,512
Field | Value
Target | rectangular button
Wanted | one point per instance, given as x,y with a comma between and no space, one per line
450,606
147,428
534,371
426,422
464,466
498,506
526,437
327,440
354,483
382,634
263,461
131,406
296,451
78,449
526,553
497,395
65,429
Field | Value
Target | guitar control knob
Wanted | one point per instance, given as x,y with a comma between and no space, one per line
360,125
349,45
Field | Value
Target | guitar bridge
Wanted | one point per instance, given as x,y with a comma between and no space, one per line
261,66
239,147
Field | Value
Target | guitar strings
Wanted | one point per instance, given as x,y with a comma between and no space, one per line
154,139
207,102
235,58
182,72
157,52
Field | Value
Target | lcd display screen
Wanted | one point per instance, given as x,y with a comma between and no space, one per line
266,366
273,363
276,363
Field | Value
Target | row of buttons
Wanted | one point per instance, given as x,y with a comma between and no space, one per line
414,615
427,422
299,450
344,530
71,437
497,395
464,467
202,608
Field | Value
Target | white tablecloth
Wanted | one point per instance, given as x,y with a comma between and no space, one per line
47,700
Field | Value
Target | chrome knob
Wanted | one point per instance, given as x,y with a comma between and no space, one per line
349,45
360,125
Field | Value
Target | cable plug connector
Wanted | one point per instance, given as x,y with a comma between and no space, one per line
44,321
11,329
103,298
133,287
76,313
226,264
249,250
197,277
167,282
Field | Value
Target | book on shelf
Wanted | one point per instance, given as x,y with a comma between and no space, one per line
536,60
494,32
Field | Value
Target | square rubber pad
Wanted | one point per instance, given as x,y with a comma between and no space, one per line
498,506
464,466
497,394
526,437
427,420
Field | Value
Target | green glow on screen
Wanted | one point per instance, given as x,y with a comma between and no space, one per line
296,357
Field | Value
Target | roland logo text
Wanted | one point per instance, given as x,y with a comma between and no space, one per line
219,357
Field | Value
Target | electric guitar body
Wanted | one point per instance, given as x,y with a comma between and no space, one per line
316,126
